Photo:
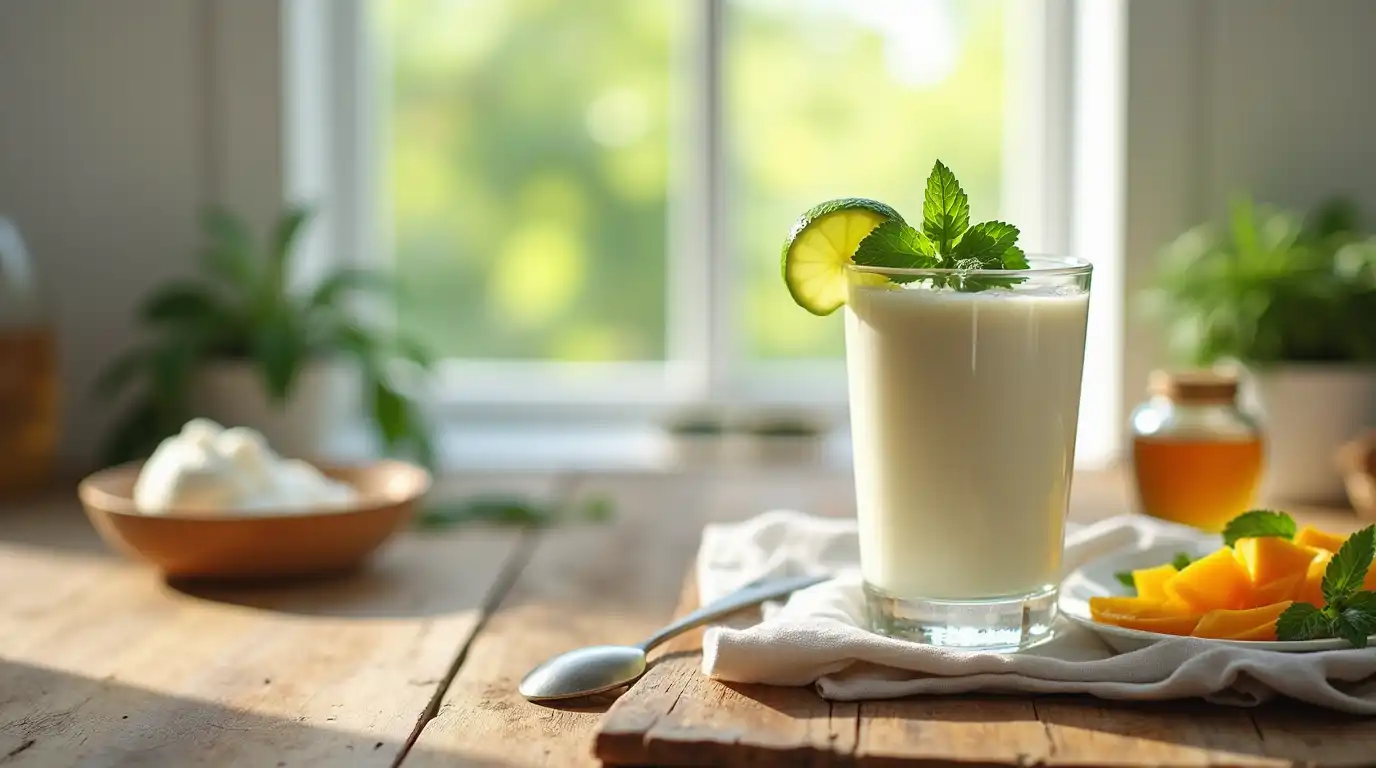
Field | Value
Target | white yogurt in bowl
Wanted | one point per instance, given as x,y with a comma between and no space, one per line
207,469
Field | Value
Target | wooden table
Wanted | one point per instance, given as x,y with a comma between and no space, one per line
414,661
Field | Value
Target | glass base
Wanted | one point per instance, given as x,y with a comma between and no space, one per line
1000,624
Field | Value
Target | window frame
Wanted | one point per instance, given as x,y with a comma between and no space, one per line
334,152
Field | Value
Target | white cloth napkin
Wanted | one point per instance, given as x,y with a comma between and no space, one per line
818,638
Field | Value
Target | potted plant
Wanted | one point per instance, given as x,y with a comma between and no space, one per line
239,346
1292,299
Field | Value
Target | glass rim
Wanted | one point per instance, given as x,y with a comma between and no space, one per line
1059,266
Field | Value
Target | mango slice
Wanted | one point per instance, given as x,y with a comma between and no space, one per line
1309,536
1166,625
1151,582
1263,633
1217,580
1311,591
1270,558
1247,624
1135,606
1142,613
1278,591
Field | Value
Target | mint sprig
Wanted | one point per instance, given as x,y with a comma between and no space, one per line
1357,620
946,240
985,244
896,245
945,209
1302,621
1349,611
1348,568
1259,523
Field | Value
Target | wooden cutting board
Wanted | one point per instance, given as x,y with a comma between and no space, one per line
676,716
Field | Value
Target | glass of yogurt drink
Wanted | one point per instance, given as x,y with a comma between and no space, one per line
964,359
963,408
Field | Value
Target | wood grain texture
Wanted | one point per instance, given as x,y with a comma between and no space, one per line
582,585
104,663
1088,732
600,584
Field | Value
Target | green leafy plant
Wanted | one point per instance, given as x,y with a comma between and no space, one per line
1270,286
241,308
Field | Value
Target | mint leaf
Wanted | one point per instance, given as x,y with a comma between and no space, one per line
1181,561
1258,523
1302,621
1352,632
896,245
1014,258
986,243
1347,570
1125,578
945,209
1357,620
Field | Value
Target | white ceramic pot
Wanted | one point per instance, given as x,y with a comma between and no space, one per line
1308,412
322,399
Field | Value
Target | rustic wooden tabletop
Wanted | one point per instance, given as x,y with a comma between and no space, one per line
414,660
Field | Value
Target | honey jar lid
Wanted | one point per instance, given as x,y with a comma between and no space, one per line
1194,387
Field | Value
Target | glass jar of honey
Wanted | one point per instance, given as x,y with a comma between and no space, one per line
28,372
1197,457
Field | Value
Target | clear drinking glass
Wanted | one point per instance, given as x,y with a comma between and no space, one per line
964,399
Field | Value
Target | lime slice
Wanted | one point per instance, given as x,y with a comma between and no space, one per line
820,246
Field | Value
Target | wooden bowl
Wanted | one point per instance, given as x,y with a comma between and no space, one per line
260,545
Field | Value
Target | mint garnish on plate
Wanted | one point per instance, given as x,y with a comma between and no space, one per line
1257,524
946,241
1349,611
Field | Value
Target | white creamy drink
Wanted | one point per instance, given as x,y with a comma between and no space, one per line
964,357
963,416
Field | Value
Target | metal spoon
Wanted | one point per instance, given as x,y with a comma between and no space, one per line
601,668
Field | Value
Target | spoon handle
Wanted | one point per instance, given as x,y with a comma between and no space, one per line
751,594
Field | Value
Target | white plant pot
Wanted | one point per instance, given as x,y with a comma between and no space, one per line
1308,412
307,425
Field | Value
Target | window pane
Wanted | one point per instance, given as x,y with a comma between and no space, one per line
528,163
841,98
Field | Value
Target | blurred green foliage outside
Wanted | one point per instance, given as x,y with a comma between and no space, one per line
529,156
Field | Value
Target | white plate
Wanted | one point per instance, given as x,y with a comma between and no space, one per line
1095,579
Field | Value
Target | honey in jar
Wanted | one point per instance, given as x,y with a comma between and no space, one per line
28,372
1197,457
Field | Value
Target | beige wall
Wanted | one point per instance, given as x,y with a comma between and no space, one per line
118,120
1271,96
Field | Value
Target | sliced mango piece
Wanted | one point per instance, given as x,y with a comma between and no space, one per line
1216,580
1311,591
1310,536
1227,624
1166,625
1263,633
1134,606
1278,591
1140,613
1270,558
1151,582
